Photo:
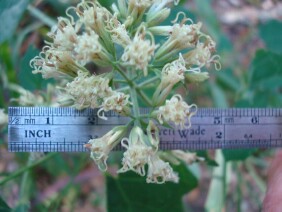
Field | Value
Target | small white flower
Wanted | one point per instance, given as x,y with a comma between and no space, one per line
202,55
64,35
53,63
101,147
139,52
159,171
3,117
88,47
137,152
181,36
187,157
93,16
88,91
118,31
117,102
177,111
173,72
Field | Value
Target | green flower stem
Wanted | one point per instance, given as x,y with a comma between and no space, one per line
151,80
133,86
26,168
24,193
136,110
144,97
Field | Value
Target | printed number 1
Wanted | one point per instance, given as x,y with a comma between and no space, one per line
48,120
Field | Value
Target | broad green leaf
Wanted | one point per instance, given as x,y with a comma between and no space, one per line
4,206
237,154
266,71
27,79
130,192
10,14
227,80
270,33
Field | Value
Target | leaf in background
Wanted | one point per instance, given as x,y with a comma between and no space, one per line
219,97
266,71
237,154
271,34
10,14
27,79
208,160
130,192
3,206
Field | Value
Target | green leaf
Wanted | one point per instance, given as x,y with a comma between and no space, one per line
270,33
10,14
27,79
266,71
3,206
218,95
130,192
208,160
237,154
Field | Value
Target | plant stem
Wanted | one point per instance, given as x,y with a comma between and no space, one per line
133,86
224,183
136,111
26,168
153,79
41,16
23,203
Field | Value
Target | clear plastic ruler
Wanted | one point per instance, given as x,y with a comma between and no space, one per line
47,129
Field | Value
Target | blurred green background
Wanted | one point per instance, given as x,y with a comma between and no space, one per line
249,41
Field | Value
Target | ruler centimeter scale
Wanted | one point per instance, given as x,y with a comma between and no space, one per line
47,129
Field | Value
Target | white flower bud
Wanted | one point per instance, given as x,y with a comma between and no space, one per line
197,77
156,17
187,157
101,147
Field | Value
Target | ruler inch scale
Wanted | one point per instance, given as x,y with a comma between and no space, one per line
65,129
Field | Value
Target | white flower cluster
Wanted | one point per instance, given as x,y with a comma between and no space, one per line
94,92
177,111
124,39
138,153
139,52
